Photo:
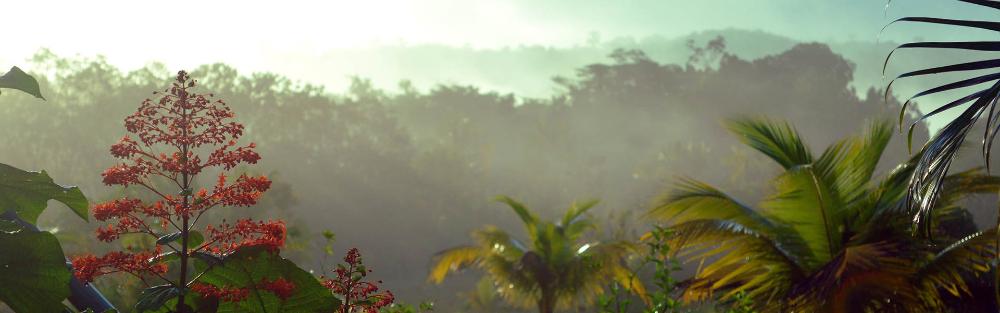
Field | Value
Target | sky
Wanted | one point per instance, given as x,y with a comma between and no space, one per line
308,41
259,35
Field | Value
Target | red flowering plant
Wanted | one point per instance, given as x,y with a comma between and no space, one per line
357,295
172,141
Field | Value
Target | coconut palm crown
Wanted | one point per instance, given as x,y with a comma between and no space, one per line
556,269
830,238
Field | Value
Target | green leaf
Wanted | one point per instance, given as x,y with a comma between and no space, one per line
18,79
153,298
208,258
195,238
247,267
27,193
192,300
33,272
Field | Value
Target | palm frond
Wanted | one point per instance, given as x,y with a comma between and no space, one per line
527,217
743,256
499,242
811,206
574,223
779,141
965,183
969,255
867,274
454,259
694,200
861,157
925,185
587,276
937,155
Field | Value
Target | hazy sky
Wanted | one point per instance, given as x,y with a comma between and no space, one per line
258,35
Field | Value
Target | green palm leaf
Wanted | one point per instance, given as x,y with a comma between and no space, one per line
557,270
779,141
694,200
742,255
811,207
938,153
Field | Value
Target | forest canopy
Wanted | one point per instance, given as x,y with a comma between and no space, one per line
423,163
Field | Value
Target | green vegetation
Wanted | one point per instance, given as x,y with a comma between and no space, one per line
557,269
830,238
860,227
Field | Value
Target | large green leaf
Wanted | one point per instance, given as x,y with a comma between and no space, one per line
249,266
27,193
18,79
33,272
812,207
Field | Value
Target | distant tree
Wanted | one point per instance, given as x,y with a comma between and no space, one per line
557,269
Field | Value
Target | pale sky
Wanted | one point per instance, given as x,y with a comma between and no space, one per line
258,35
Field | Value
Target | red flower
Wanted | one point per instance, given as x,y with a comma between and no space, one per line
357,294
140,264
227,294
279,287
226,238
171,140
115,209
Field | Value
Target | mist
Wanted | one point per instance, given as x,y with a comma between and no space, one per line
398,137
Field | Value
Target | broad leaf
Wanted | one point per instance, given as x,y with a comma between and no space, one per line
155,297
33,272
27,193
249,266
19,80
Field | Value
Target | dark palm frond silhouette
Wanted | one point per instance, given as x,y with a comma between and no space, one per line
937,154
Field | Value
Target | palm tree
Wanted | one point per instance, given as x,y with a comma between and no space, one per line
557,269
938,153
830,238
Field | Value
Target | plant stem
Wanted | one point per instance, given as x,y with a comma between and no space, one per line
186,187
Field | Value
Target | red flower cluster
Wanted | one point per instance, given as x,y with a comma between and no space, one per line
279,287
140,264
357,295
226,294
171,140
227,238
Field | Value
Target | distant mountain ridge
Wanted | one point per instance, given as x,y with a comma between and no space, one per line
526,71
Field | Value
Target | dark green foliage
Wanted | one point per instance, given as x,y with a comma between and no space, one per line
615,301
662,300
741,304
17,79
28,193
33,272
155,297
